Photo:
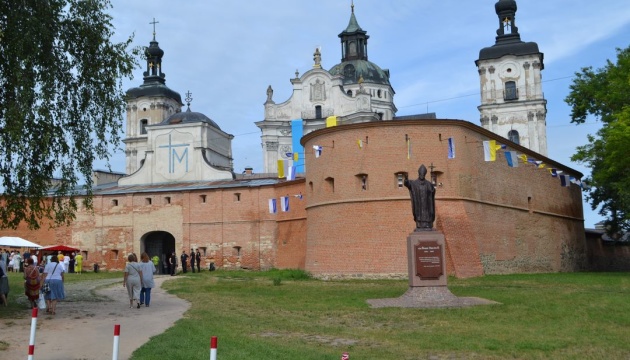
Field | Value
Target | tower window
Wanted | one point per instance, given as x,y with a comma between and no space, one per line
202,199
318,112
379,93
513,136
143,126
237,197
349,92
362,181
167,200
331,184
147,201
511,93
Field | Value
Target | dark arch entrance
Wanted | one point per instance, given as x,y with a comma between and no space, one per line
160,244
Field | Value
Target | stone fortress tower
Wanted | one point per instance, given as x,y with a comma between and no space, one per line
354,91
512,100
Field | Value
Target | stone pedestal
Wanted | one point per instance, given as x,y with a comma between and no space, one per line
426,259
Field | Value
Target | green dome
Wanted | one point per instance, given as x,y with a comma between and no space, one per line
352,70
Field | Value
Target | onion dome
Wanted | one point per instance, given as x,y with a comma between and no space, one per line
354,58
154,78
508,40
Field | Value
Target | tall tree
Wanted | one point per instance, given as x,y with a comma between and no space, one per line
605,94
61,104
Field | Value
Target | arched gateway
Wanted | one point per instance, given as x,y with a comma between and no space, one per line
160,244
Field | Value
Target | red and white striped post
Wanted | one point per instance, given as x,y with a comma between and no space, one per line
116,341
31,340
213,348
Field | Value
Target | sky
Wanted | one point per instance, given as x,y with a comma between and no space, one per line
226,53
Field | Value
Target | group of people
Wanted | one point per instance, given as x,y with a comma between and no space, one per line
138,279
195,257
49,281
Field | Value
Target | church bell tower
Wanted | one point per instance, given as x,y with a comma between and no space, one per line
512,101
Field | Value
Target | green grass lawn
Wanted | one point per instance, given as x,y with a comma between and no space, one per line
281,315
285,315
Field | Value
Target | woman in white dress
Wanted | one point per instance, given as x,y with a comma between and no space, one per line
133,280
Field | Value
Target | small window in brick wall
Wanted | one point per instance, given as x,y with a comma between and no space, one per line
147,201
85,255
236,251
362,180
114,254
167,200
400,179
331,184
237,197
202,199
115,202
202,250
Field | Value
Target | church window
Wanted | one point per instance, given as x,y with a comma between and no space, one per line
147,201
349,92
318,112
143,126
202,199
379,93
167,200
380,116
237,197
115,202
310,186
349,72
353,48
511,93
331,184
513,136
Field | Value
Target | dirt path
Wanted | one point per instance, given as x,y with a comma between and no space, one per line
83,328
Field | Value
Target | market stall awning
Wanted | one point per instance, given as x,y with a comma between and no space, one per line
61,248
14,241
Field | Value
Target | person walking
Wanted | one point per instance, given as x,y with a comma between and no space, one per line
133,280
192,260
184,259
53,276
32,282
148,269
198,260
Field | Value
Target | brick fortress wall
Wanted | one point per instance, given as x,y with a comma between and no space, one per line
496,219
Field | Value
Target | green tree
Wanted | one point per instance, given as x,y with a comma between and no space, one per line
605,94
61,104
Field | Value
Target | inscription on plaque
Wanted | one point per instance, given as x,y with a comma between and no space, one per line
429,262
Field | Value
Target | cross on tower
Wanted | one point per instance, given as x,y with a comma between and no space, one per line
154,22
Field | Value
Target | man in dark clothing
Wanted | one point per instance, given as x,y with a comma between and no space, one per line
198,259
192,260
184,262
173,263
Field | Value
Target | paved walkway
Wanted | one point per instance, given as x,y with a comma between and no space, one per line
83,327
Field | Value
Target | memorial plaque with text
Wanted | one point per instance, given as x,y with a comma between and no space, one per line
429,262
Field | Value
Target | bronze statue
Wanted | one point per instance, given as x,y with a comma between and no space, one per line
422,194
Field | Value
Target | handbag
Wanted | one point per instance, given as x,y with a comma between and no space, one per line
46,288
41,302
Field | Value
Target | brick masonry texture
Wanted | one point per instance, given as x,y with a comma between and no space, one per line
354,217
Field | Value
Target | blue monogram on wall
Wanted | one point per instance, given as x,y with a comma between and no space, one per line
175,157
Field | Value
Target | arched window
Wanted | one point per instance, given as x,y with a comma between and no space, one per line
349,92
513,137
510,91
143,126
